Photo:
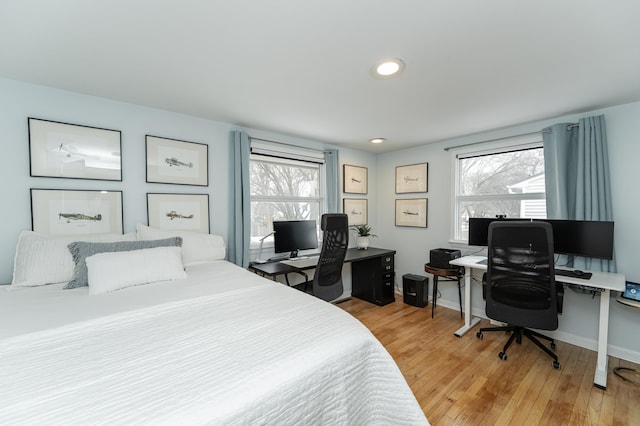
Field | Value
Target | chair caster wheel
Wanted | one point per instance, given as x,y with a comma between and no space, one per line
479,335
502,356
556,365
552,345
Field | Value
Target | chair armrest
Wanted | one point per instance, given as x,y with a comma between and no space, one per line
484,286
560,296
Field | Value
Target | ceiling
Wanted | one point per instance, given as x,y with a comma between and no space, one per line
302,67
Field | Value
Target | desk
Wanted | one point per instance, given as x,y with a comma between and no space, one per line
372,273
600,281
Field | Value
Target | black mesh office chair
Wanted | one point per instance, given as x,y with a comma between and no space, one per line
520,287
327,279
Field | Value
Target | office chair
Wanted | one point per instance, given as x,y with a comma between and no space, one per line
519,284
327,280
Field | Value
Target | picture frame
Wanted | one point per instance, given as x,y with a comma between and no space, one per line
411,212
73,151
185,212
356,210
412,178
176,162
355,179
76,212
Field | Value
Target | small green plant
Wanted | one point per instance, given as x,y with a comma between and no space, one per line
362,230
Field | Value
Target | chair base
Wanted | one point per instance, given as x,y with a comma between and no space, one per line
516,334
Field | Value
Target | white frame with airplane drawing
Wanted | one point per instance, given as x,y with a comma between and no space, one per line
177,162
64,150
354,179
412,178
356,210
76,212
184,212
411,212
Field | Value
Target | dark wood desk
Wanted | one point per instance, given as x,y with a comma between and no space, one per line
372,273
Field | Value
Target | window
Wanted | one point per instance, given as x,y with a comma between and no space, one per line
498,178
283,189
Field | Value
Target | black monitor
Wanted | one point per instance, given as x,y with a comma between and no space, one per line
293,235
585,238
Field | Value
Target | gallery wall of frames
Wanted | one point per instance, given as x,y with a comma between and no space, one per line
410,179
76,151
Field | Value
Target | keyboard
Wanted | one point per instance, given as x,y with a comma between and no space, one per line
574,274
302,261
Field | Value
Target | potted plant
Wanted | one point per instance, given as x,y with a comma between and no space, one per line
363,234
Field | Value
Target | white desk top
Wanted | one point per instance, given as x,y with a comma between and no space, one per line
604,280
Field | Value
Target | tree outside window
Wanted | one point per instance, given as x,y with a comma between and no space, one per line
509,182
282,189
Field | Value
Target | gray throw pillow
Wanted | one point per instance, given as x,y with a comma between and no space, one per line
80,250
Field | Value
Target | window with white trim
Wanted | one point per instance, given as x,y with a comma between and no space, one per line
284,188
498,178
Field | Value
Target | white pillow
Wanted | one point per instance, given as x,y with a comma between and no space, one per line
44,259
196,247
117,270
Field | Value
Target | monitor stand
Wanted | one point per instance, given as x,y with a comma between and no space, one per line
293,254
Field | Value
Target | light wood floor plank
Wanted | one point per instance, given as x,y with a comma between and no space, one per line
461,381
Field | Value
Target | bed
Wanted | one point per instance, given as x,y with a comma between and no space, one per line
221,346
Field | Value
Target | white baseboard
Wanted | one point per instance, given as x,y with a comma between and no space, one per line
591,344
562,336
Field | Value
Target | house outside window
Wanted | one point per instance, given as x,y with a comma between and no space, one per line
283,189
500,178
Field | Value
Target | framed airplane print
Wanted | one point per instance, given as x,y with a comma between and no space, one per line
355,179
411,212
412,178
73,151
356,210
76,212
177,162
187,212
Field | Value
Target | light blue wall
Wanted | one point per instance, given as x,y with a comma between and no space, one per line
579,323
20,100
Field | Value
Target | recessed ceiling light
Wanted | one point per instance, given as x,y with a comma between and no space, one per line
388,68
377,140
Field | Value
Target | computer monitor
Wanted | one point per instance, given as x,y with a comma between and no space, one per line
585,238
293,235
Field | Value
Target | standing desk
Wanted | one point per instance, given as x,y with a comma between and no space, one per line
604,282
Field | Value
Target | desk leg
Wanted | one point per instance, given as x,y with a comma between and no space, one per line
469,321
600,380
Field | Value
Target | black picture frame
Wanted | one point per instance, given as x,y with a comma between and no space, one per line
74,151
354,179
412,212
178,211
176,162
76,212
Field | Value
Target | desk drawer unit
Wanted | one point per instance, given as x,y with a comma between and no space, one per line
372,279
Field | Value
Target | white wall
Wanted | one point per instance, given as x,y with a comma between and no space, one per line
579,323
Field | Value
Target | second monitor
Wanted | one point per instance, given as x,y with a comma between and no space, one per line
294,235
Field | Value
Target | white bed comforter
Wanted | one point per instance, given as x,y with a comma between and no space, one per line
221,347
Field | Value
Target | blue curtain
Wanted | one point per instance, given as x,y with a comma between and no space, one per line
578,186
333,189
240,217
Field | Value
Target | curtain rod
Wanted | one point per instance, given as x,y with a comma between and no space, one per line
569,127
491,140
267,140
286,144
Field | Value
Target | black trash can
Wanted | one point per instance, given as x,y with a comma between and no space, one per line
415,290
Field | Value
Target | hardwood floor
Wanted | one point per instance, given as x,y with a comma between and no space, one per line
461,381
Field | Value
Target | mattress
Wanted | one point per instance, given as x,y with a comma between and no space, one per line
223,346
